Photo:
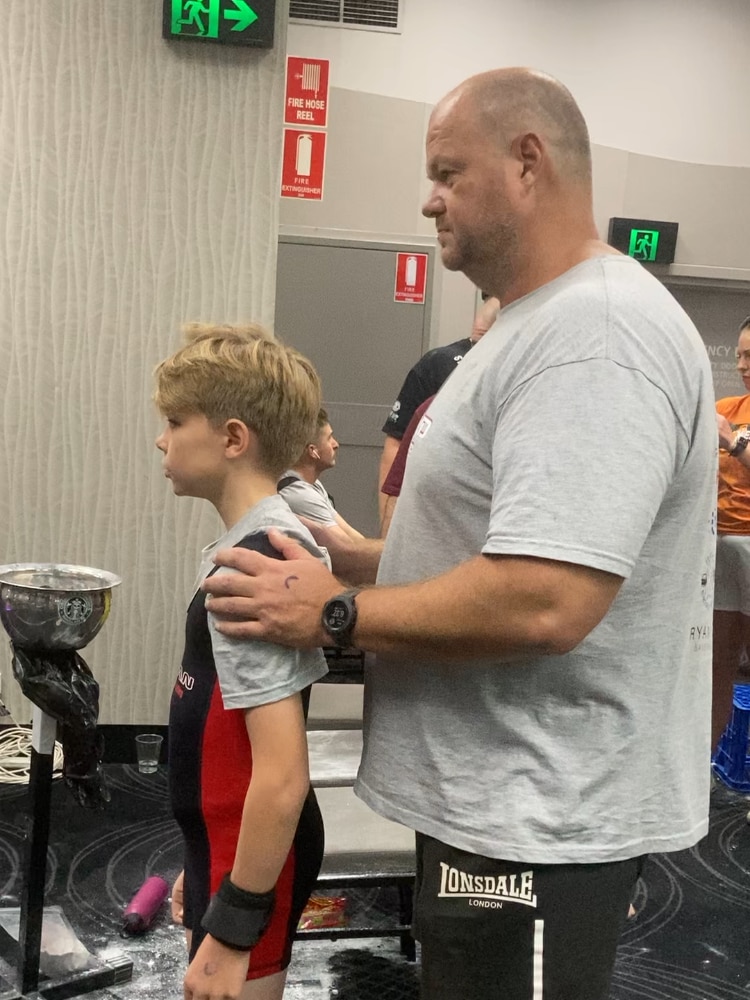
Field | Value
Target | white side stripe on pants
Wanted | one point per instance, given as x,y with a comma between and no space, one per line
538,960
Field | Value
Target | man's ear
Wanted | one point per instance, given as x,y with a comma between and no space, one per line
239,438
529,151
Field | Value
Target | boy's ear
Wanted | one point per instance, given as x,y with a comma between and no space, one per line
239,438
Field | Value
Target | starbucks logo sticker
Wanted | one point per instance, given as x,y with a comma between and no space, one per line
75,610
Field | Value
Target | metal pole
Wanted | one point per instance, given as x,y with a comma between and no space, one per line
43,734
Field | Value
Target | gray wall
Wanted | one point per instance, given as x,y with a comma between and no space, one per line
137,179
717,309
375,185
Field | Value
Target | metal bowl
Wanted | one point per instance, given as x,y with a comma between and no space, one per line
48,606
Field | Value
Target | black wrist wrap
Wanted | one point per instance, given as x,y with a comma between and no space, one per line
236,917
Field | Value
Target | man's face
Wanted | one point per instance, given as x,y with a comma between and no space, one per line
325,449
471,197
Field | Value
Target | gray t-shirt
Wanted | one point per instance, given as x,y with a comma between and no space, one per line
580,429
257,673
308,500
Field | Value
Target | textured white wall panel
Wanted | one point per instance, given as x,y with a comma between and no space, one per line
138,182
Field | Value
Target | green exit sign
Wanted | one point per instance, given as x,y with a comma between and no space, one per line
646,240
643,244
228,22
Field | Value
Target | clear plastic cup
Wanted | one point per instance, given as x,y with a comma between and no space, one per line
148,749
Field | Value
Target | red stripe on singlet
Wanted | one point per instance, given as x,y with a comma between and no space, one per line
226,771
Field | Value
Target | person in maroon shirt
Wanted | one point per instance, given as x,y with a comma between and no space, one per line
392,485
422,382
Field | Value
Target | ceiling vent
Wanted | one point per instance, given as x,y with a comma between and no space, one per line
377,15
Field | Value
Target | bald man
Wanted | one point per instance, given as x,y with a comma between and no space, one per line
539,708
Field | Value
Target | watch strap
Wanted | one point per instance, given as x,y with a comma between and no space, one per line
740,442
342,637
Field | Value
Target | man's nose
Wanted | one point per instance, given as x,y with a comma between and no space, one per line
433,206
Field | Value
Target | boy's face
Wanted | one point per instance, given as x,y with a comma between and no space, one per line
194,455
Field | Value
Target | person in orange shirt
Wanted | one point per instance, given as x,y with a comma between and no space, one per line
732,594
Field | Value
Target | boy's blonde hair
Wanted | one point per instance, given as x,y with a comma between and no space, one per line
243,372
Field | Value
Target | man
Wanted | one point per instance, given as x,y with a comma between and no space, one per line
302,489
421,383
539,709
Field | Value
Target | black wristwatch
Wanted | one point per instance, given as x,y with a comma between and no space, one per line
340,616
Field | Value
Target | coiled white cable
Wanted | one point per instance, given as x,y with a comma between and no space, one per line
15,755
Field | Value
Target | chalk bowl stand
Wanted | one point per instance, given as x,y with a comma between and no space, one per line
49,607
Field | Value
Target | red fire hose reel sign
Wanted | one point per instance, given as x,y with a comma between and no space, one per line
306,96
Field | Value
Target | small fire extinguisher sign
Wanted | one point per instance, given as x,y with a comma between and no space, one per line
411,277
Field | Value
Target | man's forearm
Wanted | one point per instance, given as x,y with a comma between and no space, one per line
358,560
388,511
348,529
390,450
490,606
499,607
355,560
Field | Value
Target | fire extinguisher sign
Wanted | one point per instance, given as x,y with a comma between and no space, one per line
303,164
411,277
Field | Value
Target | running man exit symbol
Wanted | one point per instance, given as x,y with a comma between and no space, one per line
233,22
643,244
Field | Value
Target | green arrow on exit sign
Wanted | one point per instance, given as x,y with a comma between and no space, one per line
244,15
233,22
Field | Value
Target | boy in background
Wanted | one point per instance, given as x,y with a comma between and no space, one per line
239,408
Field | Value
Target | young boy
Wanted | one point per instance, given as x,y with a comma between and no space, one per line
239,408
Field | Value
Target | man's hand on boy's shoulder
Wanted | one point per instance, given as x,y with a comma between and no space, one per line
271,599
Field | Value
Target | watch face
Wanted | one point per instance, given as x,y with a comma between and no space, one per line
337,615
